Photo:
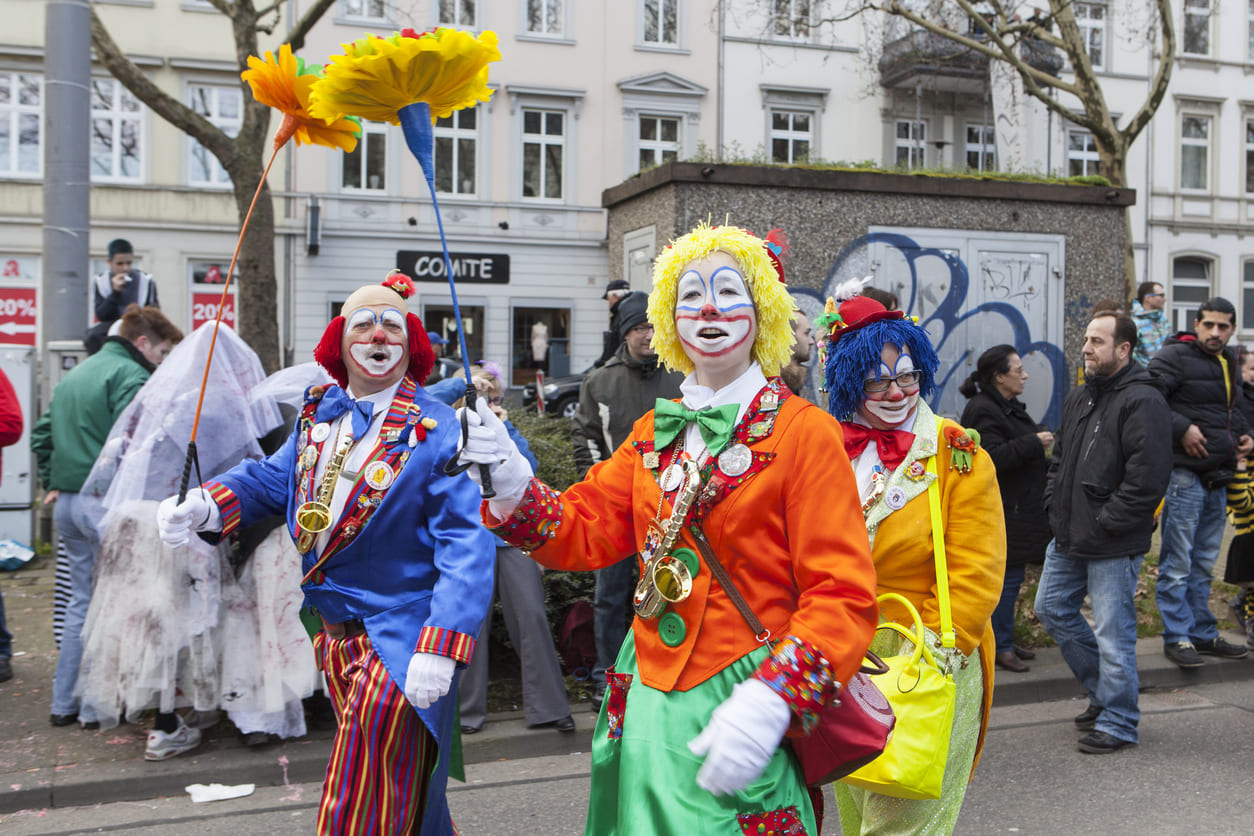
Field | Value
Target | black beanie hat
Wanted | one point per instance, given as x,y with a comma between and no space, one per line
119,245
632,310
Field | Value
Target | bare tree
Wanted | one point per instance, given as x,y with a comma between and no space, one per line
998,31
243,156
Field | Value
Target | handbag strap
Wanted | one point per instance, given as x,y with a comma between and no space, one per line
873,664
948,636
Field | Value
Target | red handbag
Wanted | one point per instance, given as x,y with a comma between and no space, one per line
852,730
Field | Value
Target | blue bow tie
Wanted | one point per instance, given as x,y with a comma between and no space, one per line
336,402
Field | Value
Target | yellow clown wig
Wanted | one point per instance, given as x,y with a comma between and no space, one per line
774,307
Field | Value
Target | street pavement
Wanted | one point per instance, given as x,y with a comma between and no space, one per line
1189,775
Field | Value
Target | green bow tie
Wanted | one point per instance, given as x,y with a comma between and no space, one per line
716,424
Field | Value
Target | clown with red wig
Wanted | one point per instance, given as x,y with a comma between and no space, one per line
394,559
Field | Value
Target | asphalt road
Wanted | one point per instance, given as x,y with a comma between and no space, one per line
1190,775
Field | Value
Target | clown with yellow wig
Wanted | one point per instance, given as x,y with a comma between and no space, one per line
738,478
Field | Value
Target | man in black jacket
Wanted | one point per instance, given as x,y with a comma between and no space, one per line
1110,466
1202,385
611,400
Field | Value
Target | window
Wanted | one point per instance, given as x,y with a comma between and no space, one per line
1249,156
544,146
792,136
1247,296
546,17
458,13
1082,157
364,9
981,148
1091,18
224,107
792,18
21,132
909,143
1190,288
440,319
541,343
1195,152
366,167
116,132
1196,27
659,140
456,144
661,22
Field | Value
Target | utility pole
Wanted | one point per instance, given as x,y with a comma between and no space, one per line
67,180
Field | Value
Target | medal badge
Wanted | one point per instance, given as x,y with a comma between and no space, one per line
651,460
380,476
895,498
308,458
672,478
320,433
735,460
769,402
916,471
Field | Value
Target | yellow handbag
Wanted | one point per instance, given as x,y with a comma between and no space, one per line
921,693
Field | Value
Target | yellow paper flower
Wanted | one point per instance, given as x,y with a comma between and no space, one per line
376,77
285,85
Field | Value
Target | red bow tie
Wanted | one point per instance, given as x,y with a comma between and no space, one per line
892,445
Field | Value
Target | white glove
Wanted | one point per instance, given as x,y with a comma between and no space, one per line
742,735
429,677
177,520
488,442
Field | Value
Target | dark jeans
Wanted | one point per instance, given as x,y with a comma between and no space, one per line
1004,615
6,638
611,603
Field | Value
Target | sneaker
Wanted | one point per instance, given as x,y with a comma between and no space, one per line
162,745
1224,649
1100,743
1183,654
1236,608
1087,719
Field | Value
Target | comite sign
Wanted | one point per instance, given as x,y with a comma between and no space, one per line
472,268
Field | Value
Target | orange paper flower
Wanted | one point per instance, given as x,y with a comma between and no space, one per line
285,85
376,77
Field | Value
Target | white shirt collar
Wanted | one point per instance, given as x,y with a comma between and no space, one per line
740,391
381,398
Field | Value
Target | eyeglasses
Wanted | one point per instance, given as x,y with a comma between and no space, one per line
905,380
1148,295
497,401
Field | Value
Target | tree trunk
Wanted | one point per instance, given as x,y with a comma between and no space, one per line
255,270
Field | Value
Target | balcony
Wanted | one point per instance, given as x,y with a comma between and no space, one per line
936,63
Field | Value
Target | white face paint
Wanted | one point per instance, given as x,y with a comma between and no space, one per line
715,318
887,410
375,348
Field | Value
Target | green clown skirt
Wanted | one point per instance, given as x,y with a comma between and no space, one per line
644,778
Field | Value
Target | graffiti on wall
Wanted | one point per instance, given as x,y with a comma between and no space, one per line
1007,304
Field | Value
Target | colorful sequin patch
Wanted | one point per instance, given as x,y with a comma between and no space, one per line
536,519
617,685
783,822
799,673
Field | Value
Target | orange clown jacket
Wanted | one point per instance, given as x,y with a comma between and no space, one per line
789,531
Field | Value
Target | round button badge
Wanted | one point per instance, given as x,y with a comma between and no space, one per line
320,433
735,460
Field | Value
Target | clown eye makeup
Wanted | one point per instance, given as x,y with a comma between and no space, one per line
691,288
392,320
729,290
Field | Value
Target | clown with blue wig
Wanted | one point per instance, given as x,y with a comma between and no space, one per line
879,366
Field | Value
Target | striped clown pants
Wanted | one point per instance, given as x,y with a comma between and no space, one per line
383,755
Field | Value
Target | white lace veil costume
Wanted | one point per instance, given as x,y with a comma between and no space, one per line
170,627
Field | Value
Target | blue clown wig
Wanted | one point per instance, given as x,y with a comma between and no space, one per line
854,356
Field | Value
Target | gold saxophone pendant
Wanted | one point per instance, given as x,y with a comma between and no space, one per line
666,579
314,517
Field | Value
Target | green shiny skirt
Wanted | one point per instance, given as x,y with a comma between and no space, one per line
644,781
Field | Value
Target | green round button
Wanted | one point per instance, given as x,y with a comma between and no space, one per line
672,630
690,559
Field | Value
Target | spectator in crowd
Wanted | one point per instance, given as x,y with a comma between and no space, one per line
1110,466
116,289
880,365
615,292
1200,380
1017,447
611,399
794,374
521,592
10,432
1239,568
437,348
1108,306
885,297
1152,324
66,440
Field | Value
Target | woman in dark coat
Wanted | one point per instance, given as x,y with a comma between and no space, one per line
1017,447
